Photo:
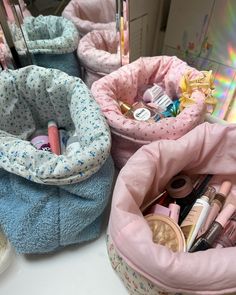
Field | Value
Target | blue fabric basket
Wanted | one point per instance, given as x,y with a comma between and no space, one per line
52,42
49,201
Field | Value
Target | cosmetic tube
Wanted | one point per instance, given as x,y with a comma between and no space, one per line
216,205
174,211
195,218
181,189
207,240
53,136
228,236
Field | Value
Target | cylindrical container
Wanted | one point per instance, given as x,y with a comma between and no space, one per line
208,239
63,139
193,221
41,142
216,205
228,237
181,189
174,211
53,136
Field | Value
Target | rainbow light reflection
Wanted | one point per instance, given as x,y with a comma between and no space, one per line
225,77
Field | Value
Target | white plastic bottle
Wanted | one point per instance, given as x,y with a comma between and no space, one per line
194,220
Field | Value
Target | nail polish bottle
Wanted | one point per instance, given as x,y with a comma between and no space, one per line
140,112
207,240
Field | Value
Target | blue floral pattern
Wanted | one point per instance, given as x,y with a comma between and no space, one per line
46,34
29,98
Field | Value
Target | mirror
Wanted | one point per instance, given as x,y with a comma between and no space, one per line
202,33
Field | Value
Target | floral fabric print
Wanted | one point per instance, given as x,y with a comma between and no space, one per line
46,34
29,98
136,283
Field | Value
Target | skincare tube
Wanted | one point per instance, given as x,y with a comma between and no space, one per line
207,240
195,218
216,205
53,136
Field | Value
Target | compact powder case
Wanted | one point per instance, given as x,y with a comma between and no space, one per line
166,232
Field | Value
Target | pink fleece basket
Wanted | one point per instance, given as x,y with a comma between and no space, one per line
128,135
149,268
97,52
90,15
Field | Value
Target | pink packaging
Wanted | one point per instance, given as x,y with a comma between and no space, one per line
41,142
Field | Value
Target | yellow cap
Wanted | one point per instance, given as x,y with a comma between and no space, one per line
124,107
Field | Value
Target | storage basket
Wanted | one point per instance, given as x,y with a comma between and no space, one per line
49,201
97,52
125,83
150,268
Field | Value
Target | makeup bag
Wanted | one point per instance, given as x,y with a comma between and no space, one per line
97,52
51,40
174,76
149,268
91,15
48,201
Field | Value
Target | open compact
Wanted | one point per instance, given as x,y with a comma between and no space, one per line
166,232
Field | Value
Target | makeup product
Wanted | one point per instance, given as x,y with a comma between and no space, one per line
181,189
228,236
207,240
63,135
140,112
159,209
157,96
162,199
53,136
166,232
216,205
40,141
195,218
197,191
174,211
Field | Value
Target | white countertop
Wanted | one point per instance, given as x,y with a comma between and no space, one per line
77,270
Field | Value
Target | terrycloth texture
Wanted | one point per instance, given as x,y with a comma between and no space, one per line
124,84
67,62
91,15
29,98
97,52
207,149
39,218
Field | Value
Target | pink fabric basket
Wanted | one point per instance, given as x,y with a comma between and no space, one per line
97,52
128,135
207,149
91,15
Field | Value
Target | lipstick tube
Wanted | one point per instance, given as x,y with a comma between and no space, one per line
207,240
53,136
216,205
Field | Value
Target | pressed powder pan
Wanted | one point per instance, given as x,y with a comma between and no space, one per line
166,232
